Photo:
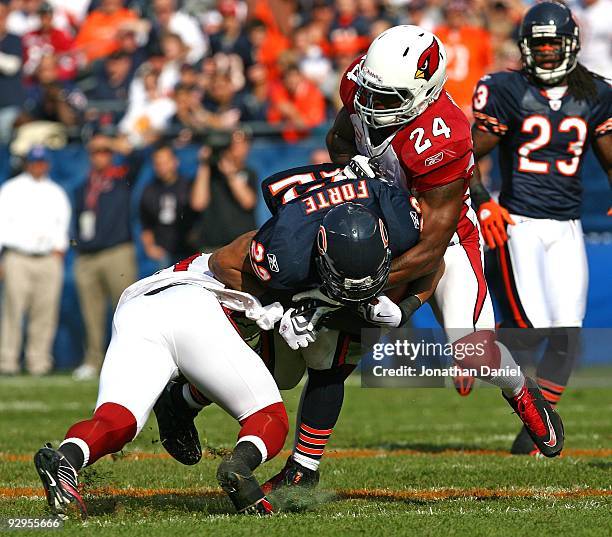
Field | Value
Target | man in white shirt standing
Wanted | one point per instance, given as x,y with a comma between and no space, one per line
34,223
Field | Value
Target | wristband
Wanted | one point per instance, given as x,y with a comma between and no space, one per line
408,307
479,195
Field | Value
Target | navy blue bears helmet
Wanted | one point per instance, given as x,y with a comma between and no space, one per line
549,41
353,255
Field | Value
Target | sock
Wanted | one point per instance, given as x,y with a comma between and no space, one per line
111,427
481,350
558,362
266,429
249,453
76,452
188,393
320,408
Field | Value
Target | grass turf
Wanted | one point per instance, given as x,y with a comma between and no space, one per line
427,463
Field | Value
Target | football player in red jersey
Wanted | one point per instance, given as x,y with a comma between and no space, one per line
397,113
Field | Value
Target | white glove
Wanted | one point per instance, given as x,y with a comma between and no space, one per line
382,311
267,316
296,329
360,167
298,326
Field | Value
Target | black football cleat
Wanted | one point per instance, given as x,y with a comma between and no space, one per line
292,475
239,483
177,431
541,421
523,444
60,480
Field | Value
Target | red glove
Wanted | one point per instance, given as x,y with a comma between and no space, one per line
610,211
492,218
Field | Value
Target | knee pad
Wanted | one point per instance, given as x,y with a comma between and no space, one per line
268,426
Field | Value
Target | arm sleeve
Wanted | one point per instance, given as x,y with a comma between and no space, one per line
490,107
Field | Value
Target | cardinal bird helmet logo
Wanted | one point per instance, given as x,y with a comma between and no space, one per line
428,61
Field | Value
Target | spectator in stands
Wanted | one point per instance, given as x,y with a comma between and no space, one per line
149,109
190,117
311,59
222,102
165,212
113,79
469,53
109,84
98,36
167,19
130,44
349,24
596,49
106,260
34,223
225,188
232,39
27,18
11,88
50,99
255,101
47,40
297,103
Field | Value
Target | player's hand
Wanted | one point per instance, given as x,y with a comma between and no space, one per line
360,167
267,316
297,329
610,211
382,311
493,218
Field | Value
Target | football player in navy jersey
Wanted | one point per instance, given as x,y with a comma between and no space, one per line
322,249
542,118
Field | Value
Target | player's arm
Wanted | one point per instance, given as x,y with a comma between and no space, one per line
341,138
602,147
492,216
232,267
440,209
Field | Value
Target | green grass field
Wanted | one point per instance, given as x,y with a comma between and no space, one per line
423,462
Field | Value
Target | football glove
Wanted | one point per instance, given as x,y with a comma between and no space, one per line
301,324
493,218
382,311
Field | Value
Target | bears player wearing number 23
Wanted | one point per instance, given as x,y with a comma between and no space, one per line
542,118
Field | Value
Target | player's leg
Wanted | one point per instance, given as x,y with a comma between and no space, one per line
138,350
180,403
330,359
464,302
465,282
567,278
216,359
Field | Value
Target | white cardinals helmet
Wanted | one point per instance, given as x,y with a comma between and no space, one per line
403,73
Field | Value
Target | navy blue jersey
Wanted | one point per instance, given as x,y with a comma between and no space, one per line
542,142
282,251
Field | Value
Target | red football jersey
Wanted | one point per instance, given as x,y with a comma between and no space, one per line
432,150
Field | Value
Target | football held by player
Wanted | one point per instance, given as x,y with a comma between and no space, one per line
542,118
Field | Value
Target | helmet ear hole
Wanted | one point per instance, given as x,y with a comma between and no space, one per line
322,241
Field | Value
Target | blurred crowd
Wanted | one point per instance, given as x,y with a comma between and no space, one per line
137,80
144,68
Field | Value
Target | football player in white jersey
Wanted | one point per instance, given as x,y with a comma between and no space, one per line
177,322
